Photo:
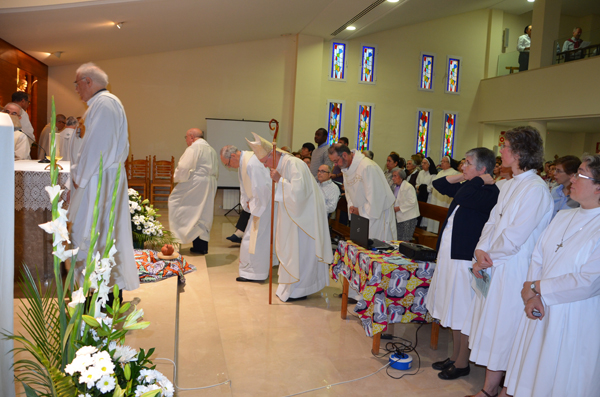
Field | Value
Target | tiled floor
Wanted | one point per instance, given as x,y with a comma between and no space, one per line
228,331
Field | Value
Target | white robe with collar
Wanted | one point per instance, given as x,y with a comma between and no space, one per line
368,190
491,323
192,201
255,198
22,148
303,243
558,355
106,126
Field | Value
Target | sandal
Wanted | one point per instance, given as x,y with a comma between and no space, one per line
486,394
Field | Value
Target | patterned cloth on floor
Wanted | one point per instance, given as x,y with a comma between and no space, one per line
151,268
393,287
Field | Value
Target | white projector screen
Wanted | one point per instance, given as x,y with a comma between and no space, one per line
222,132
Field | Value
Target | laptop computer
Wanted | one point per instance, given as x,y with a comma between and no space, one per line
359,234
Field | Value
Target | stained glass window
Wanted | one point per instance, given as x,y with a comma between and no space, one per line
367,70
427,63
365,120
334,121
453,72
338,61
423,118
448,133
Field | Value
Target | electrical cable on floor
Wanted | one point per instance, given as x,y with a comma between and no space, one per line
338,383
228,381
403,347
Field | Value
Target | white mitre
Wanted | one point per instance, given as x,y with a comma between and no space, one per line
261,147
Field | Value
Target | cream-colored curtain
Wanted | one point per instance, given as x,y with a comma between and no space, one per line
7,250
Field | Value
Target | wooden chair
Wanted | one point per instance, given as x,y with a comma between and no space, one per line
162,178
138,175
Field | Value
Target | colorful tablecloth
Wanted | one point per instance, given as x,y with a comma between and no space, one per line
392,292
151,268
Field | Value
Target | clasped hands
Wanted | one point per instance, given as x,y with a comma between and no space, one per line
483,262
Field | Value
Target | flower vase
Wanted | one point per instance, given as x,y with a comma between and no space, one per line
138,245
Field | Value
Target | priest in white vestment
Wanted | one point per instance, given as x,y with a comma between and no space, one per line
22,99
367,191
255,198
44,141
303,243
504,250
192,202
66,136
556,354
106,134
21,142
437,198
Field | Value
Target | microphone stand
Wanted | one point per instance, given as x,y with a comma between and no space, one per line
43,160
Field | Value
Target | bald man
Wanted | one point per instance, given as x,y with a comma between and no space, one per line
191,204
22,147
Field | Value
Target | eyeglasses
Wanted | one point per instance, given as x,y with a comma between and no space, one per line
77,81
578,175
9,112
322,172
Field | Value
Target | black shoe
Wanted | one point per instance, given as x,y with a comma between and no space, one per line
296,299
247,280
198,251
441,365
452,372
234,239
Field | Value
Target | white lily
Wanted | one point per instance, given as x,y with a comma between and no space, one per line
58,227
53,191
77,297
64,254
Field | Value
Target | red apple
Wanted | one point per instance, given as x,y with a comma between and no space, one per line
167,250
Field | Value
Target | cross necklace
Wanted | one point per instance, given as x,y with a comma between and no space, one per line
562,240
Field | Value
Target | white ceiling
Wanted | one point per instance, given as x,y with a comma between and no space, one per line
85,29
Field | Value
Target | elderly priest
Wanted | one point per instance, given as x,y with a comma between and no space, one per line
303,244
191,204
255,198
106,134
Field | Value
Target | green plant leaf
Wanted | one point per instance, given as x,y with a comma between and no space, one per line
151,393
91,321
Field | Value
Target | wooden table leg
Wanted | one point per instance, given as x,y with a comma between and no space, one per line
376,343
345,287
435,333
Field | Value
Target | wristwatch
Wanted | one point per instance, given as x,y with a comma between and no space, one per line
533,288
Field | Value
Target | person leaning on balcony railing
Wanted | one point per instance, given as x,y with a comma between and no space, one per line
573,43
523,46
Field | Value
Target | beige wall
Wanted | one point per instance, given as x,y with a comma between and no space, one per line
396,95
167,93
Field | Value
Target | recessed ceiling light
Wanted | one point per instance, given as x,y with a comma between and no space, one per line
350,27
530,1
119,25
393,1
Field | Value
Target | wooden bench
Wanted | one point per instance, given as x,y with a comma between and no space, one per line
338,228
434,212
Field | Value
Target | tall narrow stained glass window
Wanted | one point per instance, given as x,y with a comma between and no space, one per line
423,119
427,63
367,69
338,61
334,121
453,73
448,133
365,122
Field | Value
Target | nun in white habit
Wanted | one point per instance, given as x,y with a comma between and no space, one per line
504,250
438,198
556,354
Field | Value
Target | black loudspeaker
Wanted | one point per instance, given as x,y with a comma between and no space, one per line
417,252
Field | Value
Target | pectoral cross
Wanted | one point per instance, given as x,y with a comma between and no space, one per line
558,246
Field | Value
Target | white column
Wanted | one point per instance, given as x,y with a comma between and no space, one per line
544,30
7,250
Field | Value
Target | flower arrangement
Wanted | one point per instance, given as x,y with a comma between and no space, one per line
144,223
76,349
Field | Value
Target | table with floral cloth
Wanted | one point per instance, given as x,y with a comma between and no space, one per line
392,292
152,268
